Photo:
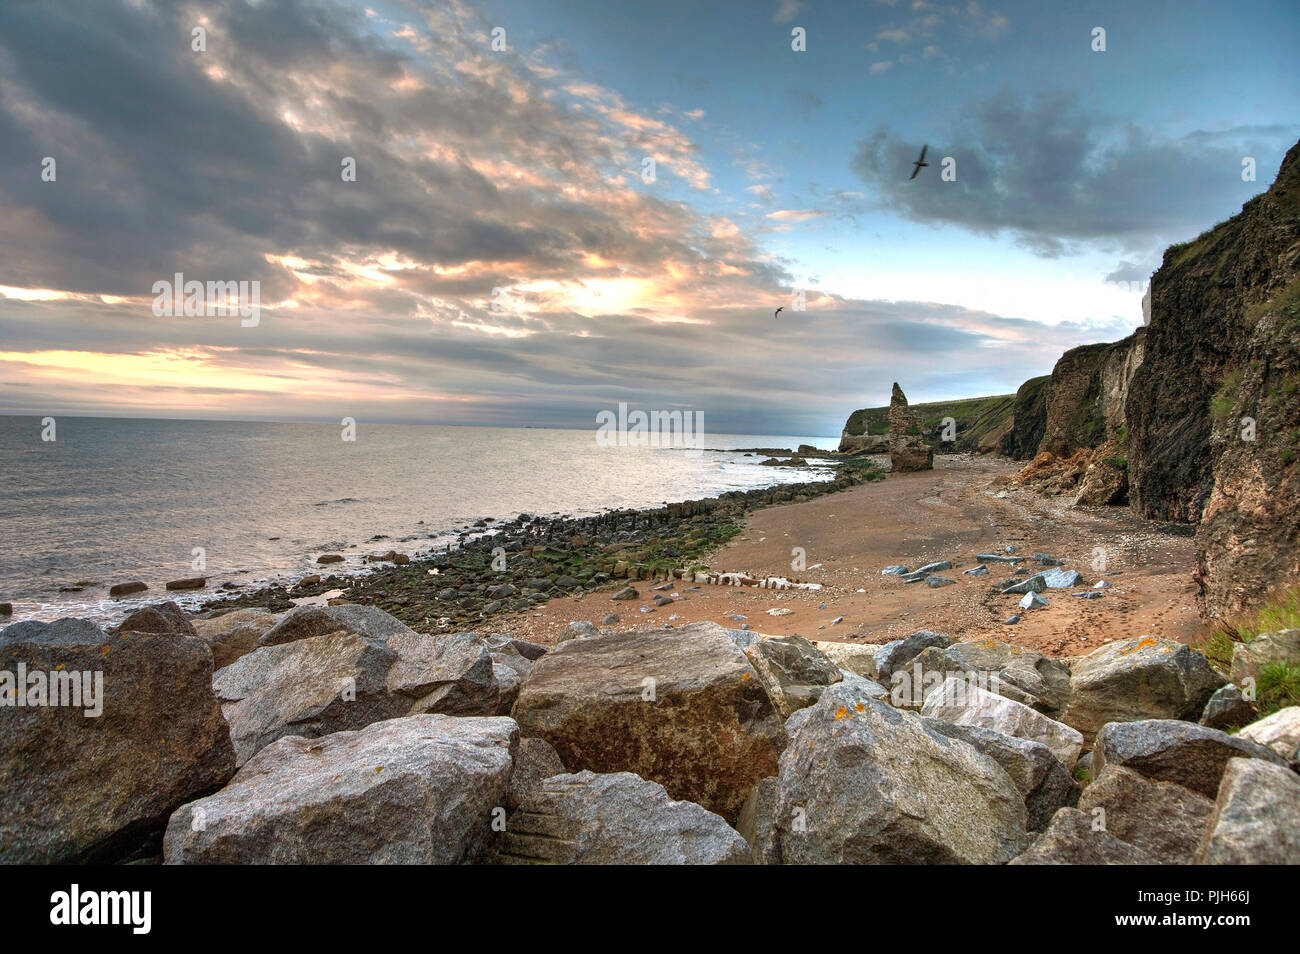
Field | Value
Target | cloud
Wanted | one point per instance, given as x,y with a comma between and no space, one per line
1060,177
881,66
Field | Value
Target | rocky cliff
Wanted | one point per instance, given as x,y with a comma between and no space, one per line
981,425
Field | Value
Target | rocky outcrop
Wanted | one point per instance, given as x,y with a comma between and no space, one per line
908,449
95,780
418,790
981,425
1086,399
1028,419
617,819
681,707
1211,323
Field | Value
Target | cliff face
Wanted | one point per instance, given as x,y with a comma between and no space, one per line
1028,419
1086,398
982,424
1203,315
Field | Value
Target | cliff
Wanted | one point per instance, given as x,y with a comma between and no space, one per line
982,424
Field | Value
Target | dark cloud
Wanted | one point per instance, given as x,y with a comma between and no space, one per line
1059,176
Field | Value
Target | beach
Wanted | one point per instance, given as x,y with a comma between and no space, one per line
949,513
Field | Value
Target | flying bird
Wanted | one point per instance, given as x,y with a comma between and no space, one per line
777,312
920,163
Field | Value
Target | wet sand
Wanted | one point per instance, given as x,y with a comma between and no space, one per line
950,513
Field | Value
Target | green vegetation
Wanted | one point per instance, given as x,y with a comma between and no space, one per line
1286,303
1279,683
1082,775
1279,687
864,467
1225,399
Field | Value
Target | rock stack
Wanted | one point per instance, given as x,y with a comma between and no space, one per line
908,449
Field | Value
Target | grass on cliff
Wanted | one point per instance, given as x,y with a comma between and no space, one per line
864,467
1225,399
1279,683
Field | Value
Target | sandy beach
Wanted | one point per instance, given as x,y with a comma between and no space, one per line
949,513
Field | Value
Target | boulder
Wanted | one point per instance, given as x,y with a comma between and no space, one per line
1169,750
233,634
165,619
897,653
1071,840
859,658
126,589
535,761
1256,817
301,622
93,781
962,702
794,672
1133,679
1105,481
614,819
678,706
1248,659
509,683
1279,732
1163,819
1227,709
1038,775
530,651
417,790
1038,681
864,783
190,583
346,680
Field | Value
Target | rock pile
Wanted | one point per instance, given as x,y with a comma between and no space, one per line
340,735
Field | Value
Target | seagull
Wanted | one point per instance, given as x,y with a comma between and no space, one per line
777,312
920,163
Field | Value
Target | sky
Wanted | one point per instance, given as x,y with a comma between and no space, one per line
561,206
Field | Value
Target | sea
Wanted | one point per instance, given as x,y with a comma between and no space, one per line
89,502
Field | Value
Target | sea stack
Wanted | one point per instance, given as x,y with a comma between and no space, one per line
908,449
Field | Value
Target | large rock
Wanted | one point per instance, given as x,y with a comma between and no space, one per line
793,671
1249,659
93,789
535,761
1038,775
864,783
1133,679
617,819
165,619
682,707
1256,818
417,790
859,658
346,680
1169,750
233,634
1227,708
1279,732
1071,840
960,701
1038,681
301,622
1163,819
894,655
1105,482
908,448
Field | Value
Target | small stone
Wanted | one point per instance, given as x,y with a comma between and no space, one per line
1032,601
934,582
609,620
779,611
894,570
980,570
